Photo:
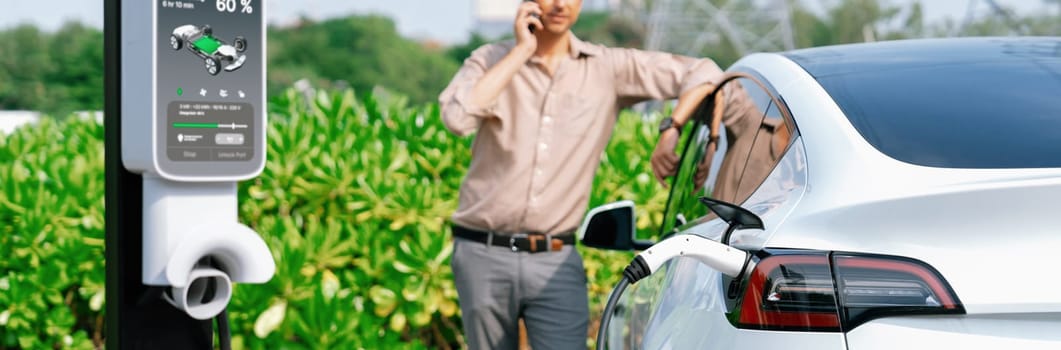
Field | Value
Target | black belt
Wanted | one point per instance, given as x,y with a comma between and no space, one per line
518,242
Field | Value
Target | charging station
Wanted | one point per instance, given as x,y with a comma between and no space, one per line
185,121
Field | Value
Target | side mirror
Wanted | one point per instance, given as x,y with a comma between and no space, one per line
612,226
737,217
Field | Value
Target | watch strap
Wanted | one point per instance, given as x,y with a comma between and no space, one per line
668,123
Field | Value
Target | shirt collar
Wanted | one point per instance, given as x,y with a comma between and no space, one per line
579,47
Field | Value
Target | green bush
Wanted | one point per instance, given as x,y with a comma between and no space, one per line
354,203
51,237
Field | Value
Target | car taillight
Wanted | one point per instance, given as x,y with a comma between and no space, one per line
791,292
819,291
873,286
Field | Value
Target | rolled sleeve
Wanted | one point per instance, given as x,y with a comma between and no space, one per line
659,75
458,115
702,71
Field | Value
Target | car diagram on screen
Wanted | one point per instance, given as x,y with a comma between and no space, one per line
216,53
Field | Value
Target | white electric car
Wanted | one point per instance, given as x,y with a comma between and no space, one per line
910,194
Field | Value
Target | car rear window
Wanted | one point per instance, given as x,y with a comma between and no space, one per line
968,104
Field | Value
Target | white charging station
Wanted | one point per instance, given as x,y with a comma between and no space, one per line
194,118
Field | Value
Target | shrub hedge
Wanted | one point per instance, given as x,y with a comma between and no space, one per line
354,203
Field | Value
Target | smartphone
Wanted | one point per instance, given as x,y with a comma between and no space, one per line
531,26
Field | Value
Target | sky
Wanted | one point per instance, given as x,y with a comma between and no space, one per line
447,21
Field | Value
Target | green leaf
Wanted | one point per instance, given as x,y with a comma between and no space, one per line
96,303
421,318
28,341
401,267
329,284
384,299
398,322
269,320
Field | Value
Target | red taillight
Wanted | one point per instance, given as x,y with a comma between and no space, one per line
871,286
808,291
791,292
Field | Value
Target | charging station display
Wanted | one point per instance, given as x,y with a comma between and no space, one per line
209,76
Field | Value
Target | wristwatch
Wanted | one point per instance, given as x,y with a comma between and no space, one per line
668,123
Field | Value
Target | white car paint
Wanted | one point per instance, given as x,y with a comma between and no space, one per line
984,230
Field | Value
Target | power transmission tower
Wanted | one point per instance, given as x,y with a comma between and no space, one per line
691,26
1001,14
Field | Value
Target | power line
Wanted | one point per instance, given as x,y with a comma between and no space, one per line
691,26
999,13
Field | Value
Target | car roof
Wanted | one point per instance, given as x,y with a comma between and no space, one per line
949,103
852,58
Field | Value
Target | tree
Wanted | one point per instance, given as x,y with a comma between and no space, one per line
854,21
55,73
364,51
459,53
605,29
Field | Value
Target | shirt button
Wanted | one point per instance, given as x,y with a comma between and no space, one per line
537,171
547,120
543,146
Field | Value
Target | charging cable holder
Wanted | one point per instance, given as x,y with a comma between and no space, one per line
194,244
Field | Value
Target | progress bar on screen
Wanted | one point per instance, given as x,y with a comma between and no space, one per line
232,126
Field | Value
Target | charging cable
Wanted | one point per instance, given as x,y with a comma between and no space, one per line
727,260
224,336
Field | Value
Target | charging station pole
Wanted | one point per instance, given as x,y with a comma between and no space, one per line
173,241
135,317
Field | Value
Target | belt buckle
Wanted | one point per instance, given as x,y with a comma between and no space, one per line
512,240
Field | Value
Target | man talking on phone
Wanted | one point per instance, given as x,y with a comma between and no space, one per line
543,107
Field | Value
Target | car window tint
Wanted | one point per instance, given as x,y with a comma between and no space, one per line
771,141
744,107
986,103
714,168
682,205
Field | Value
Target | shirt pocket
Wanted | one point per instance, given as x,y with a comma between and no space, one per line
575,114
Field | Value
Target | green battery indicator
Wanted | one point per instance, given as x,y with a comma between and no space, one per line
195,125
209,126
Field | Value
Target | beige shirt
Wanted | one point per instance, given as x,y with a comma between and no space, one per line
538,146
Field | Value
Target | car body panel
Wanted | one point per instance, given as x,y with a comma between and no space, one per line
679,294
1035,331
238,63
185,31
684,309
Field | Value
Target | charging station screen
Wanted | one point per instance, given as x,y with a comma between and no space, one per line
209,86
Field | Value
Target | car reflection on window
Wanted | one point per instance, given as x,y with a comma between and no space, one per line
756,137
730,150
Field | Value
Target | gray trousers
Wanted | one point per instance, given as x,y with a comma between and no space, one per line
496,287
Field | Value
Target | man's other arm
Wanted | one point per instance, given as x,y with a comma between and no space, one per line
645,75
650,75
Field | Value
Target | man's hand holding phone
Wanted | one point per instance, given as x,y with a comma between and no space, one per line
528,19
535,15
